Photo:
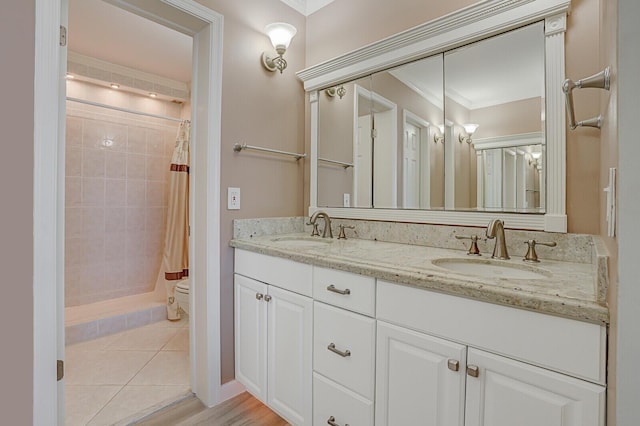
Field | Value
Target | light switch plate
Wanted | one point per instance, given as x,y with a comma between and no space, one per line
233,198
346,200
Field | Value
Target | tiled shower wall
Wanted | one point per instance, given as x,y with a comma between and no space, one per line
117,170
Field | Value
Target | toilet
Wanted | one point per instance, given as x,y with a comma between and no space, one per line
182,294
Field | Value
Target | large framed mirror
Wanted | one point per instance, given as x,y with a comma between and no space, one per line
452,127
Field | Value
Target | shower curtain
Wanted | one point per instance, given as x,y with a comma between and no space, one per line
175,259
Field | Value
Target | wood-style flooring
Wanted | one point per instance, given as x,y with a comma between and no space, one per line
243,410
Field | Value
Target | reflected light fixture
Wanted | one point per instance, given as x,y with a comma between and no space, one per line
535,158
280,34
340,91
439,137
469,129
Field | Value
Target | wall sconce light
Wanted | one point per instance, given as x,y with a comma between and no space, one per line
469,129
280,34
536,156
439,137
340,91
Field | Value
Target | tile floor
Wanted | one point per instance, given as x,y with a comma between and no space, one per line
114,377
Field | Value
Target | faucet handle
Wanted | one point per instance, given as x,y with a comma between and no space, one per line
531,255
473,248
314,232
342,235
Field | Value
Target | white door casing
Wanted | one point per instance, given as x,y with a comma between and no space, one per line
206,29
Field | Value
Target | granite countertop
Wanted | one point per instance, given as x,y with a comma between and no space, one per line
566,289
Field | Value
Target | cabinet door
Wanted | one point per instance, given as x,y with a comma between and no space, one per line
250,321
417,382
507,392
289,355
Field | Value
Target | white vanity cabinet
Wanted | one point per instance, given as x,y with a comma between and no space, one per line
479,371
344,343
273,333
322,346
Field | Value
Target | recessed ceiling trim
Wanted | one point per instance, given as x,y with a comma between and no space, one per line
97,69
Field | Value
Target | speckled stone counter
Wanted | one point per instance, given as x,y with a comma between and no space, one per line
568,289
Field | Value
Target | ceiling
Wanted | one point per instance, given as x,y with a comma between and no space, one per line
103,31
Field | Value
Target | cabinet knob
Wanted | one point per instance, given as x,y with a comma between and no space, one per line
453,365
267,298
332,422
259,296
473,370
343,354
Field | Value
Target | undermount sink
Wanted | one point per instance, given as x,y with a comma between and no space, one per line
490,268
302,241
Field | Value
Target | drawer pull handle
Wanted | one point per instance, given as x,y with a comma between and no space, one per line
332,422
336,290
473,370
259,296
267,298
332,348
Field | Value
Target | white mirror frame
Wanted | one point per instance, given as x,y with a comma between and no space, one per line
470,24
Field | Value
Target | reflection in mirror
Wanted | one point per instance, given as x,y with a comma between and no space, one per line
344,180
498,85
510,178
413,155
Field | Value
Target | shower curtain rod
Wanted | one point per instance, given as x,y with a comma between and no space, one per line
98,104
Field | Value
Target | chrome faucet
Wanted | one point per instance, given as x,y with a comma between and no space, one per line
495,229
327,223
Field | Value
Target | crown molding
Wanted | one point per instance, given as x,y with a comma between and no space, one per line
307,7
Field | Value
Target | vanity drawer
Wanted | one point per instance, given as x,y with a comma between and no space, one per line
361,294
283,273
344,331
332,400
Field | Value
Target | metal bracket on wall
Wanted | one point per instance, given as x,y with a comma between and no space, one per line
602,80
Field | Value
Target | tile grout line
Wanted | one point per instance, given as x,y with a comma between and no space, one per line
106,349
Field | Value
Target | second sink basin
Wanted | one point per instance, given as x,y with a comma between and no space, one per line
490,268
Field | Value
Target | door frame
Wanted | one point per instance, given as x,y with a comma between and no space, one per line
424,192
381,101
207,31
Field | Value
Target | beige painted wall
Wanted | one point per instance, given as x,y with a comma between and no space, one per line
335,142
511,118
16,189
345,25
260,108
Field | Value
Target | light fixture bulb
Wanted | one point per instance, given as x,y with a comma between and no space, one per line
280,34
70,76
153,95
470,128
114,86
